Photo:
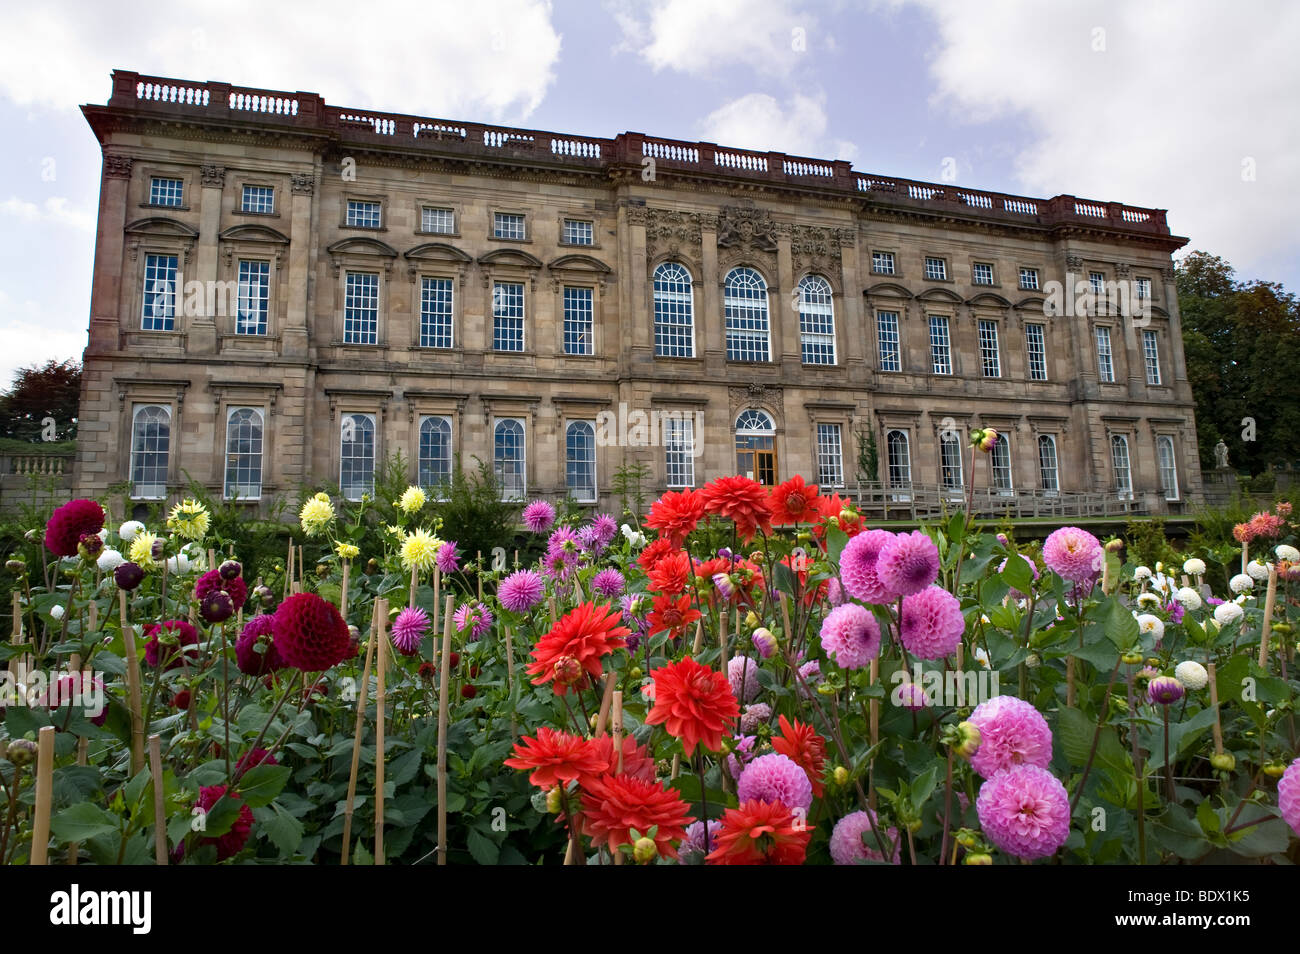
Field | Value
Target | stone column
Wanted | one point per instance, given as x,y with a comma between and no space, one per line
710,327
294,339
201,329
108,317
783,308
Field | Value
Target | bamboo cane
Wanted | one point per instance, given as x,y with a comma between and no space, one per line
44,794
1266,627
381,664
444,686
159,814
606,700
288,572
415,579
132,686
302,569
356,737
343,597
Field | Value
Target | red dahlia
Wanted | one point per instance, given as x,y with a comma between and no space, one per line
794,502
587,633
614,805
636,759
186,636
671,574
833,506
67,524
675,514
232,842
655,551
743,500
309,634
760,833
253,758
694,703
213,582
800,743
553,757
673,613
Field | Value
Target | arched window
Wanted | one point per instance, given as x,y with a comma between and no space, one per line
1047,464
151,430
950,461
1000,461
816,320
1120,460
244,454
435,453
674,312
1168,467
756,447
509,458
357,455
898,459
745,304
580,461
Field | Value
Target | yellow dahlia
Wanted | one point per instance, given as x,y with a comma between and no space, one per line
420,550
190,519
316,514
347,551
142,549
412,500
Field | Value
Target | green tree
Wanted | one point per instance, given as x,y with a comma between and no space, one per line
37,394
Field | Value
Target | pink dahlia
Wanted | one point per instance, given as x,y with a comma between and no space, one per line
69,523
477,617
1012,732
538,516
448,558
742,673
251,662
521,591
604,528
852,840
754,716
932,624
1024,811
1073,554
409,629
858,567
1288,796
775,778
851,635
608,583
908,563
910,696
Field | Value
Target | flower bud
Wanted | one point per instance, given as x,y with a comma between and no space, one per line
841,775
90,546
847,516
1223,761
635,673
968,739
230,569
1164,690
751,619
16,566
1132,658
21,751
217,607
1275,768
567,670
978,858
645,851
128,576
468,692
322,570
553,802
764,642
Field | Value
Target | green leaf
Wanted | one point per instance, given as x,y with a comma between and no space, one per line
1176,831
1208,819
1017,574
923,786
1075,731
1266,838
1120,626
836,541
262,783
82,822
221,816
484,849
284,831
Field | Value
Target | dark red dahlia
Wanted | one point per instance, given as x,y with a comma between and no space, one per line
247,658
213,581
233,841
252,758
128,575
217,607
67,524
155,650
181,700
309,633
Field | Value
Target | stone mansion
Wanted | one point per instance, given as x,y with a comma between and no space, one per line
287,292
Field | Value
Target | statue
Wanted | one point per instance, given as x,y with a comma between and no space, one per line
1221,456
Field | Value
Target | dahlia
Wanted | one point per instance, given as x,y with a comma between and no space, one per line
858,567
694,847
1287,553
658,548
247,658
1164,690
1149,625
127,531
1288,796
742,673
1073,554
637,761
1191,674
538,516
851,636
676,514
671,574
412,500
743,501
190,519
811,674
64,529
673,613
253,758
475,617
109,560
213,582
155,651
694,703
347,551
775,778
409,629
800,743
761,833
521,591
1241,583
764,642
586,633
309,634
910,696
932,624
1194,567
1189,598
233,841
754,716
615,804
794,502
852,840
908,563
128,575
448,558
608,583
1257,570
1024,811
553,758
1012,732
420,550
316,514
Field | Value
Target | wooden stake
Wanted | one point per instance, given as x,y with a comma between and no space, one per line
356,736
1214,704
44,793
606,700
415,578
874,720
381,664
1245,555
288,571
444,686
302,568
1270,599
159,814
132,686
212,558
343,598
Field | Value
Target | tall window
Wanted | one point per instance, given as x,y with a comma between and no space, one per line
579,232
936,269
674,314
244,453
1151,356
580,461
887,341
679,450
361,308
1036,348
578,329
1029,279
508,316
899,459
159,293
1097,284
169,192
950,461
1105,362
756,446
357,455
940,347
1168,467
254,298
258,199
436,304
745,304
1000,462
507,225
1120,460
1047,463
151,429
990,359
816,320
364,215
435,453
830,456
882,263
1143,286
982,273
436,220
509,458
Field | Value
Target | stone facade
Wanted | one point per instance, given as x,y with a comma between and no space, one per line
313,374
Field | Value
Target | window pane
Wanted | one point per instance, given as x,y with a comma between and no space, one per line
887,341
435,312
1029,278
1151,355
507,226
508,316
1000,461
990,359
940,350
679,450
244,454
577,232
936,269
1120,460
830,460
1168,468
258,199
674,316
950,462
365,215
357,455
361,309
580,460
816,321
254,298
150,445
882,263
745,303
159,293
1047,463
982,274
900,459
1105,364
442,221
435,452
1035,345
578,331
167,192
509,459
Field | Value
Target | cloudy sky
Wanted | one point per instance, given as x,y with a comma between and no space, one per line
1189,106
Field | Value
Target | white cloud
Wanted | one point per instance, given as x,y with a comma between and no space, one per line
491,59
705,36
55,211
29,340
759,121
1152,104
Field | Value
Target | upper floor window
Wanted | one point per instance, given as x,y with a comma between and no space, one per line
159,293
990,356
507,225
361,308
1151,356
1029,279
151,427
1143,288
254,298
936,269
1105,361
816,320
674,313
438,221
1168,467
435,453
940,347
436,312
1097,285
882,263
982,273
579,331
508,316
579,232
830,456
887,341
357,455
580,461
745,304
167,191
1036,348
364,215
509,458
244,453
260,199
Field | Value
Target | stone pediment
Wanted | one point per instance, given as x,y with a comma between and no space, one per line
438,252
253,233
362,246
160,225
510,256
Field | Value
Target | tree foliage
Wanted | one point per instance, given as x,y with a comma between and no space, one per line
37,394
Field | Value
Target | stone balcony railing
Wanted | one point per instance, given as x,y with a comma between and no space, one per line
222,103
